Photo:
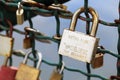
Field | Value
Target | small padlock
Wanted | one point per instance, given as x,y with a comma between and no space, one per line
64,7
57,74
78,45
7,72
7,42
27,41
60,7
37,32
20,14
26,72
98,60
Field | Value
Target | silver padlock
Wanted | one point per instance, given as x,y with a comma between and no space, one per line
26,72
78,45
20,14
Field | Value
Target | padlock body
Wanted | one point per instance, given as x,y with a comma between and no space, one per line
56,75
64,7
20,16
6,45
26,72
7,73
78,46
98,60
27,43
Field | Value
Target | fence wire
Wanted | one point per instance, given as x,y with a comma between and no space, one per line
59,13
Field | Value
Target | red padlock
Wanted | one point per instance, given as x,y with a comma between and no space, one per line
7,72
115,77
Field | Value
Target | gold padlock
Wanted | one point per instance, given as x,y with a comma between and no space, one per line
27,41
64,7
20,14
78,45
26,72
7,42
60,7
57,74
98,60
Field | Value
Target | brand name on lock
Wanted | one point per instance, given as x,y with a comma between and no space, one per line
78,45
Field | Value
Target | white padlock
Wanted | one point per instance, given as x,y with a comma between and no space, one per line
78,45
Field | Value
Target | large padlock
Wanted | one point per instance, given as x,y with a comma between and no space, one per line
20,14
6,42
27,42
78,45
57,74
7,72
26,72
98,60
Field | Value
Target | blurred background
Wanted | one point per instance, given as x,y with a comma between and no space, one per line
107,10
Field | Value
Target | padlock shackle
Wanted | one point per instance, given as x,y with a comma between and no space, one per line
35,31
19,6
26,33
95,20
10,26
39,60
62,68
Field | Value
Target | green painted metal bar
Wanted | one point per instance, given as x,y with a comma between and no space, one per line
57,23
87,32
66,15
118,47
33,39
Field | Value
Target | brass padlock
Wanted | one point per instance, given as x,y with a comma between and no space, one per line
27,41
98,60
26,72
20,14
7,42
78,45
64,7
60,7
57,74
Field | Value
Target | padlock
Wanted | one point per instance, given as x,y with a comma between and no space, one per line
7,72
78,45
27,41
64,7
57,74
6,42
60,7
113,77
20,14
26,72
37,32
57,37
98,60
